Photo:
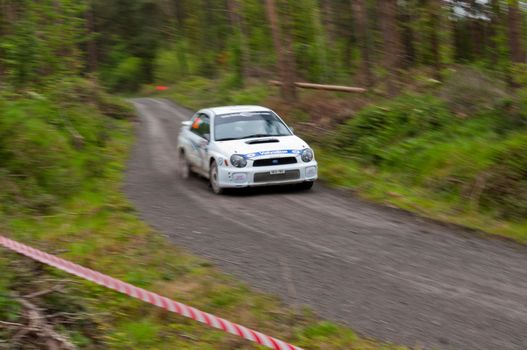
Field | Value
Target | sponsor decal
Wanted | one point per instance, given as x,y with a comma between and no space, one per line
270,153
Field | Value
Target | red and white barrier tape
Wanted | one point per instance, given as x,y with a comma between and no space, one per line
146,296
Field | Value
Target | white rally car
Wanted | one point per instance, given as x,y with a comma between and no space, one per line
242,146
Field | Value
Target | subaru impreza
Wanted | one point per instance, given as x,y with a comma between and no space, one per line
244,146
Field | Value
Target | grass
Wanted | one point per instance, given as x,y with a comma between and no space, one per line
93,224
383,188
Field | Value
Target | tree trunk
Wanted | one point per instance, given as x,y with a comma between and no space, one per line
237,22
408,37
360,18
517,49
92,42
495,23
435,24
392,42
328,20
283,53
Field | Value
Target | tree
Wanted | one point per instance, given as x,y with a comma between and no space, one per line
285,60
328,20
40,40
391,40
360,18
91,45
435,29
516,46
237,23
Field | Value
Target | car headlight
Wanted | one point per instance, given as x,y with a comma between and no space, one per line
307,155
238,161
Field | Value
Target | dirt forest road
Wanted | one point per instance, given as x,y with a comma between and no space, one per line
385,273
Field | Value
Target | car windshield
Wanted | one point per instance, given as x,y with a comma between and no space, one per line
246,125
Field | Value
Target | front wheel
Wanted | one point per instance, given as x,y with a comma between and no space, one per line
183,166
214,180
304,186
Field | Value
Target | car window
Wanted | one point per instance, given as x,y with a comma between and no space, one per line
245,125
200,125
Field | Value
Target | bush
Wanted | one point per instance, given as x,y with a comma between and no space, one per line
128,75
173,64
505,187
376,128
477,163
77,91
35,150
248,96
48,150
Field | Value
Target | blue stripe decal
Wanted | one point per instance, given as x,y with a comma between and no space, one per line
270,153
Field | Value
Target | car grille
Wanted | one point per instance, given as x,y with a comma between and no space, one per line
268,177
274,161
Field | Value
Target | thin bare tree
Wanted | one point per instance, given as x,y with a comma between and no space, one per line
392,42
516,45
360,18
284,54
237,23
91,45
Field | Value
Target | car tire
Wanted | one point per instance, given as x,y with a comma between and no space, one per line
213,179
183,166
305,186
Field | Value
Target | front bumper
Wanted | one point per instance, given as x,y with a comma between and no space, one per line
231,177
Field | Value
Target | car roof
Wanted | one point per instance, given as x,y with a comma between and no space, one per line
236,109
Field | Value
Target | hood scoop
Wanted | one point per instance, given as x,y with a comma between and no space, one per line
257,141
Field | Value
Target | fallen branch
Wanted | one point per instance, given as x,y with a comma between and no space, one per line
38,324
10,324
339,88
57,288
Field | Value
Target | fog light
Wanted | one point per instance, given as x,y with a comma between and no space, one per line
311,171
239,177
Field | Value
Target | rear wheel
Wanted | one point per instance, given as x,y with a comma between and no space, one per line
214,180
183,166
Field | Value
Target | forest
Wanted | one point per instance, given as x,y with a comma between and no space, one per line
353,42
437,126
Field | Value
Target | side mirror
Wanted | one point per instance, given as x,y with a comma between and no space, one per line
186,123
292,130
206,137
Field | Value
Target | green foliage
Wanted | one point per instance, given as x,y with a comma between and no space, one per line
172,65
518,73
37,152
376,128
44,42
197,92
126,76
50,151
505,180
476,164
134,334
141,41
9,309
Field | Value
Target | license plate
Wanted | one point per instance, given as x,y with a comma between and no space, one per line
277,172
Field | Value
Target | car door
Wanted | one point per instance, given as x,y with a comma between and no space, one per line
199,137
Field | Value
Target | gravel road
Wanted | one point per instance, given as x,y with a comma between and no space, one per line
387,274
